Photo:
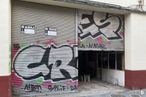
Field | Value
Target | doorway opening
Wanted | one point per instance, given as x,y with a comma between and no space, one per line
89,61
100,69
93,64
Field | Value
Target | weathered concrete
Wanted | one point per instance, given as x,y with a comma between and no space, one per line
129,93
89,89
101,90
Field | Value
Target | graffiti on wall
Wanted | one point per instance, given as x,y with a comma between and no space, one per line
32,88
46,62
91,27
36,68
99,29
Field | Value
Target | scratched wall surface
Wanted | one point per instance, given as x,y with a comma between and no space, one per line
100,31
43,64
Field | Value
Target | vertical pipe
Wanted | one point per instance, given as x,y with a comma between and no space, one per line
76,38
76,32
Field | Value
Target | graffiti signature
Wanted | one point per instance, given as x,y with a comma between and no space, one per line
94,26
55,63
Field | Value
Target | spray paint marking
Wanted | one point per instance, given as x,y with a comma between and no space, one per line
55,63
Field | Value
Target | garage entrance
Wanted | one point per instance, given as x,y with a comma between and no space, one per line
105,66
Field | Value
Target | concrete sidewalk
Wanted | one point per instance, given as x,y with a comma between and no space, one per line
89,89
130,93
99,89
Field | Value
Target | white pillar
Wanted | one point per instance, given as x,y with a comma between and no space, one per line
135,41
135,50
5,37
128,41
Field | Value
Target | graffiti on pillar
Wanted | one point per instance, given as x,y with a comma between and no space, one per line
37,68
102,29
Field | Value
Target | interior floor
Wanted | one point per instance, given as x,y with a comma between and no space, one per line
97,88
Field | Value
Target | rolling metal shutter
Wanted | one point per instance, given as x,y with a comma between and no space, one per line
43,64
100,31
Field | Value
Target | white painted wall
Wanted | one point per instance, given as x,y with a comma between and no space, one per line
124,3
128,41
116,77
5,36
135,42
133,4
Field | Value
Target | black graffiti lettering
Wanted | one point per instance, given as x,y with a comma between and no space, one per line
56,88
102,46
58,63
65,73
32,88
74,63
43,61
46,63
93,45
90,18
82,46
50,88
73,88
104,23
104,20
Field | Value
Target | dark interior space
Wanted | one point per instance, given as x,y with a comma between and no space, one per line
91,63
87,65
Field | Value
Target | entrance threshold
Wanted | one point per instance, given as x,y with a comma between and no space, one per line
94,88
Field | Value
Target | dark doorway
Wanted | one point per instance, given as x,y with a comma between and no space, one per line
88,65
91,63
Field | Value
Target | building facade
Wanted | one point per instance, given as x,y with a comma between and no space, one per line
55,44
